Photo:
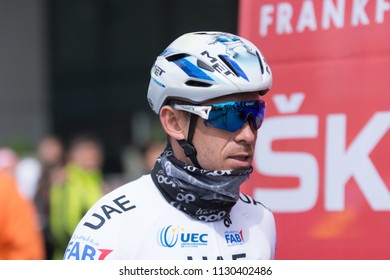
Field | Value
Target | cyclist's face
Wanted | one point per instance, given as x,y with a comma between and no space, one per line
223,150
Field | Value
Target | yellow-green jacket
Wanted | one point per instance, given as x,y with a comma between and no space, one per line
69,202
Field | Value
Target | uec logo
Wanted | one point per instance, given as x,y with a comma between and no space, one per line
168,237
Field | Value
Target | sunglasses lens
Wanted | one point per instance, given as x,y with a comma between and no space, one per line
232,116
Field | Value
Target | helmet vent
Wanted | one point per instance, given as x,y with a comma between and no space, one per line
193,83
233,66
176,56
228,64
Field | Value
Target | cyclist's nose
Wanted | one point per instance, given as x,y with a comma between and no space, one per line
248,132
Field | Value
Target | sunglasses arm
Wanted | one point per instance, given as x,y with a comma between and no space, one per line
201,111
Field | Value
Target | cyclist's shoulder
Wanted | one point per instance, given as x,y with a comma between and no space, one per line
136,194
125,205
252,208
136,188
254,212
248,201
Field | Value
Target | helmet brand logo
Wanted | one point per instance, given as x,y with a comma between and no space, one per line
158,71
216,65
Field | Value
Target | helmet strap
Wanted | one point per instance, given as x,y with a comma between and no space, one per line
186,145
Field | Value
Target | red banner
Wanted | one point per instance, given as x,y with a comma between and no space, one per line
322,160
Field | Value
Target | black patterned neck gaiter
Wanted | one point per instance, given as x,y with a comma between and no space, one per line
204,195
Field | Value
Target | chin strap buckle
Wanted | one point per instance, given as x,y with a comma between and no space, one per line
189,151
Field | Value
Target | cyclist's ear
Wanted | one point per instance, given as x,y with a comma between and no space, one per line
174,122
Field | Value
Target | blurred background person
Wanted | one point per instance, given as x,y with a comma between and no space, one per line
50,158
28,172
75,189
20,235
30,169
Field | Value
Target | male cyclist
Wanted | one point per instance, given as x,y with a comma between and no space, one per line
190,206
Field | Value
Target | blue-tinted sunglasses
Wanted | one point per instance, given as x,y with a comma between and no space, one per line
230,116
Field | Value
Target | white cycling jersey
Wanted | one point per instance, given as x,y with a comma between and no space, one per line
136,222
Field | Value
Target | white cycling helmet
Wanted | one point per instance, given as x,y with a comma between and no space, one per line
204,65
